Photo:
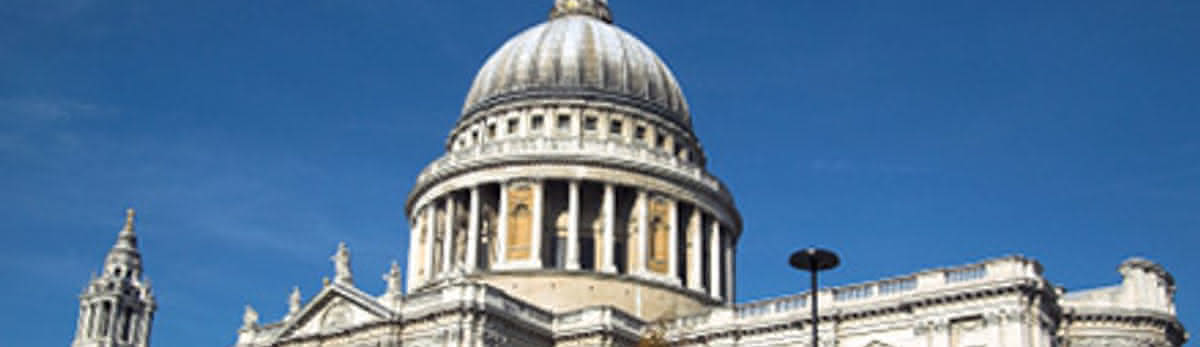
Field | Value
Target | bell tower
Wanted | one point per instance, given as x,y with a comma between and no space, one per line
116,308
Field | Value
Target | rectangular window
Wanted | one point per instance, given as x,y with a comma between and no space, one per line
512,125
564,122
660,141
589,123
536,122
491,131
615,128
475,135
639,133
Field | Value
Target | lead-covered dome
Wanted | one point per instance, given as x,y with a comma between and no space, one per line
578,54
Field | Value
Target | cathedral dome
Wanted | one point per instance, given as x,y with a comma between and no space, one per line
579,54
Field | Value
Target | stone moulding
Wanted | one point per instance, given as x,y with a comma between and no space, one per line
502,156
542,95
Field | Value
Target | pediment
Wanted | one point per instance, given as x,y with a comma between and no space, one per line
877,344
335,309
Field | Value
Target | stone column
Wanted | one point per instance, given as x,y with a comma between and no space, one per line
609,261
539,218
145,330
502,227
427,233
473,232
80,321
730,271
695,249
414,242
448,235
135,327
573,225
119,328
91,320
643,228
110,330
714,260
673,241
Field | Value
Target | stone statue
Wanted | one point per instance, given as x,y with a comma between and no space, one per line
341,265
394,280
294,301
250,318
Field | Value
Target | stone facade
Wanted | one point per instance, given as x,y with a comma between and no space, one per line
996,302
573,208
116,309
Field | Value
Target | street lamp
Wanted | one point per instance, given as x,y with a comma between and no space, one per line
814,260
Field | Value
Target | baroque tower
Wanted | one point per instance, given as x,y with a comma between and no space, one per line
116,309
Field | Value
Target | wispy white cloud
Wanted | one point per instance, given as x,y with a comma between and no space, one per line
851,166
50,10
40,109
30,126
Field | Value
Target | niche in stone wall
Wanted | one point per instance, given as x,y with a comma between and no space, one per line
659,235
520,221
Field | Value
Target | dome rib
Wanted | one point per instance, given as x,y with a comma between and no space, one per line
577,56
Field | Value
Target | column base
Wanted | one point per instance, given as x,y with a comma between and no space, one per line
665,279
519,265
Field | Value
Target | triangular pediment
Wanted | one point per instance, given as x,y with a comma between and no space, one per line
335,309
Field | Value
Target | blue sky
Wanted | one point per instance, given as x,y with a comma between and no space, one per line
252,136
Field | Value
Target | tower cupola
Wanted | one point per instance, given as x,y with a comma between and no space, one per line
117,307
594,8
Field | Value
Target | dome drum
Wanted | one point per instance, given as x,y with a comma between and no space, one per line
594,118
629,233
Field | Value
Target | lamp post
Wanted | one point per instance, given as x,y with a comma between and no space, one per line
814,260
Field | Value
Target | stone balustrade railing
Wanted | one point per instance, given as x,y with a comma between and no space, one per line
455,296
932,281
610,150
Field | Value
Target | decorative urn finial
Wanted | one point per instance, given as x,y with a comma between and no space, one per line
594,8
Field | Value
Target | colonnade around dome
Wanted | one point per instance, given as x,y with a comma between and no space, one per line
575,225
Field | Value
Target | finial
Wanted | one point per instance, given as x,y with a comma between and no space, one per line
341,266
127,239
129,213
594,8
249,318
294,301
